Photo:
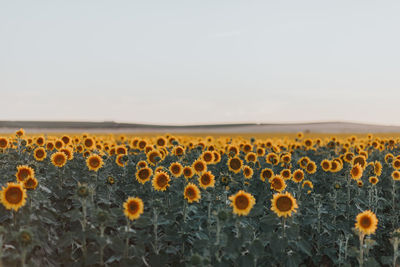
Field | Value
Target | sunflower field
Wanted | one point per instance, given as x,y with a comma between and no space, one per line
180,200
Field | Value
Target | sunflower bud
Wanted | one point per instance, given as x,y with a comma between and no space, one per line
25,237
222,216
83,190
102,216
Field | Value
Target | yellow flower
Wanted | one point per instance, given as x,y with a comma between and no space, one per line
283,204
192,193
242,203
13,196
133,208
207,180
94,162
143,175
59,159
161,181
366,222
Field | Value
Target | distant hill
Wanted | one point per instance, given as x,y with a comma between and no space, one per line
317,127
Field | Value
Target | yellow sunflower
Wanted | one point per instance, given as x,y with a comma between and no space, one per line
120,160
206,180
377,168
143,175
192,193
307,183
326,165
30,183
133,208
247,172
396,175
373,180
59,159
161,181
141,164
24,172
266,174
251,157
199,166
188,172
298,176
311,167
277,183
40,154
396,164
208,157
242,203
94,162
286,174
13,196
153,157
3,142
366,222
356,172
283,204
235,164
176,169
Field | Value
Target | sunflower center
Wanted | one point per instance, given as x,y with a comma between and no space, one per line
175,169
325,165
235,164
284,203
59,159
144,174
187,172
277,184
40,153
24,173
267,174
94,162
365,222
190,193
355,171
298,176
199,166
133,207
14,195
30,182
241,202
205,179
247,172
310,167
207,157
162,181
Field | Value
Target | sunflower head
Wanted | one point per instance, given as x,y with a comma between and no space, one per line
143,175
326,165
161,181
94,162
13,196
207,180
3,142
356,172
298,176
247,172
133,208
192,193
242,203
40,154
31,183
373,180
24,172
83,190
266,174
59,159
199,166
311,167
286,174
366,222
25,237
235,164
188,172
277,183
283,204
176,169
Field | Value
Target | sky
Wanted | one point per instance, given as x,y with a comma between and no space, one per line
190,62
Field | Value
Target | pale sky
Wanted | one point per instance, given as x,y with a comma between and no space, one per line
188,62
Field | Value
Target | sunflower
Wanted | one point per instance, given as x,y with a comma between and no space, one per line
377,168
396,175
192,193
283,204
260,151
251,157
30,183
206,180
94,162
153,157
13,196
161,141
307,183
133,208
141,164
24,172
66,139
235,164
143,175
20,132
59,159
373,180
199,166
208,157
40,154
326,165
348,157
272,158
303,162
217,157
161,181
298,176
188,172
69,152
360,183
120,160
286,158
286,174
366,222
121,150
58,144
360,160
3,142
311,167
335,166
266,174
396,164
247,172
88,143
277,183
242,203
50,146
356,172
178,151
176,169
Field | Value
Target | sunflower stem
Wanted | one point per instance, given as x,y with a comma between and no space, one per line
83,223
102,246
361,256
184,210
284,227
155,229
218,232
128,226
348,197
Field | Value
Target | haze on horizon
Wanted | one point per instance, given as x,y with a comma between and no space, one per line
188,62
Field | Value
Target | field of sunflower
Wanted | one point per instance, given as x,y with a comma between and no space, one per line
177,200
